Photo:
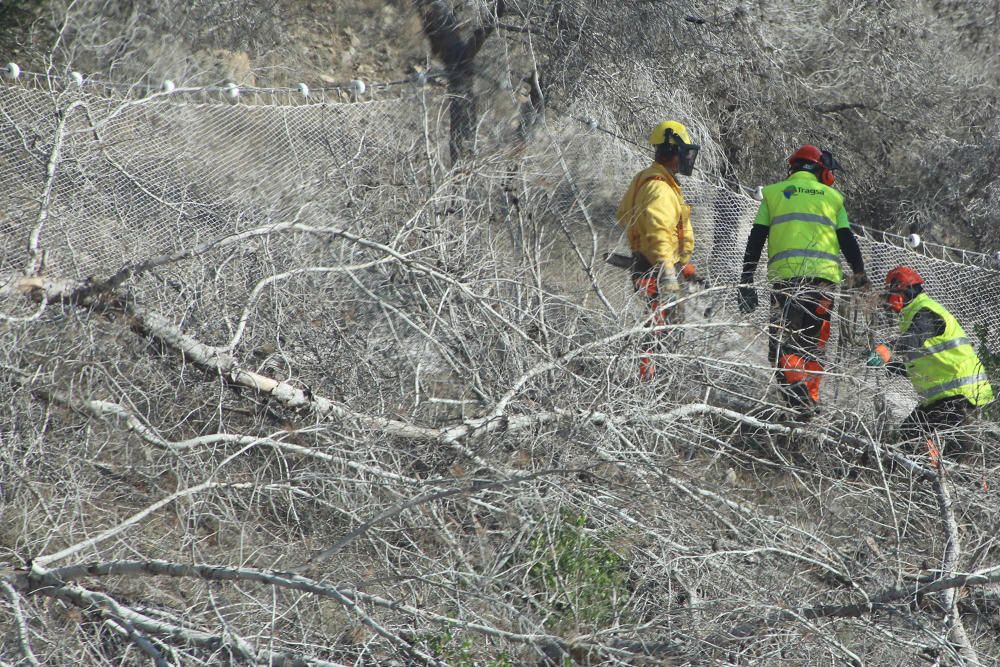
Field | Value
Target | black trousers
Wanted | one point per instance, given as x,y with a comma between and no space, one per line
924,421
800,314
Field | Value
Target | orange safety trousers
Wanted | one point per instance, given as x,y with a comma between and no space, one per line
647,286
797,371
799,330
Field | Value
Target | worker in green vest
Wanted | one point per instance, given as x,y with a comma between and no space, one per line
934,352
804,223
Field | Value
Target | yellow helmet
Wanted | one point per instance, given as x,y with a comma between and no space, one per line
666,132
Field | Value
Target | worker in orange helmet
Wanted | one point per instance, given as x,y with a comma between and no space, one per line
934,352
657,222
803,221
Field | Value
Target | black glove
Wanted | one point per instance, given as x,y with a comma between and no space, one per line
747,299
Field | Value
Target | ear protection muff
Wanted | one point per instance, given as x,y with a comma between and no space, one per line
895,301
827,166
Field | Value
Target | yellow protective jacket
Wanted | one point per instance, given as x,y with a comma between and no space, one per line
656,218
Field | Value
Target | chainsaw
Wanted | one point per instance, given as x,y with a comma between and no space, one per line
619,260
627,262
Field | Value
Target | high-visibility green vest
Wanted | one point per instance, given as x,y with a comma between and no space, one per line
802,239
946,365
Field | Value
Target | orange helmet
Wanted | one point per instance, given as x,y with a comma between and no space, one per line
897,282
822,162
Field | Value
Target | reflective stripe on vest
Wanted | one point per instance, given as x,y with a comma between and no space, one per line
939,347
804,217
802,235
816,254
954,384
946,365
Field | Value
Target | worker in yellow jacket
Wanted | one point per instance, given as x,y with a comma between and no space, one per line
657,222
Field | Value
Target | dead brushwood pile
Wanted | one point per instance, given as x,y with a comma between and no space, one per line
316,381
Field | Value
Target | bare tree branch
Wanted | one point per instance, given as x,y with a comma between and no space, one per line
23,637
39,562
949,563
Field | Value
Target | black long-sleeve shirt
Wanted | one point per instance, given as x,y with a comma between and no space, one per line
926,324
758,236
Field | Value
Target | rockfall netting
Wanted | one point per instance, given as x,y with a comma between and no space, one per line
407,390
106,180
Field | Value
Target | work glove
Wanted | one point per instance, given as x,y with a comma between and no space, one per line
667,280
879,357
747,298
859,281
669,285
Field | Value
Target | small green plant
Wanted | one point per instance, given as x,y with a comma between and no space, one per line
991,362
582,578
459,651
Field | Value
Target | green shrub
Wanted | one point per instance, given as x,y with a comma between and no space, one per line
581,578
576,577
458,651
991,362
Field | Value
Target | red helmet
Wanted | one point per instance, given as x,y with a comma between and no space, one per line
825,164
902,278
897,282
806,153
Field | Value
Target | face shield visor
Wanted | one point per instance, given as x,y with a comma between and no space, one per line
673,144
688,154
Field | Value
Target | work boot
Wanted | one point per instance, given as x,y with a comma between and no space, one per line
807,411
799,400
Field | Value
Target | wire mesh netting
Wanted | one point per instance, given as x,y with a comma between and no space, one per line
111,180
122,179
415,341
